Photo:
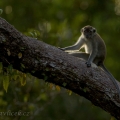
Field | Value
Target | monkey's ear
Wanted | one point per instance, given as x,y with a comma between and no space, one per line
94,30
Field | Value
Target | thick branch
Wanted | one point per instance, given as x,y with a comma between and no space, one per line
53,65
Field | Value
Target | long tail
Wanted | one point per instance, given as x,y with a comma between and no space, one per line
112,78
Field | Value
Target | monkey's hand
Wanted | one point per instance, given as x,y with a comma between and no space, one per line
88,64
61,49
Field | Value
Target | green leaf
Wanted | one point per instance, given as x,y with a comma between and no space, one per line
85,90
64,84
70,92
22,66
19,55
57,88
23,79
43,96
14,77
6,82
8,52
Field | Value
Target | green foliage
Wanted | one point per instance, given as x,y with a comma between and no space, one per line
6,82
56,23
9,74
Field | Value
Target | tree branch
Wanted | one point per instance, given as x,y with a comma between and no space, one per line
53,65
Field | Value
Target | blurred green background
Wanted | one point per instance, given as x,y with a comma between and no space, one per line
57,22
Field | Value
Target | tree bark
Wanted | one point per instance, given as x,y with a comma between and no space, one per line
47,62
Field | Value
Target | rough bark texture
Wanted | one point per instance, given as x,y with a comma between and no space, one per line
55,66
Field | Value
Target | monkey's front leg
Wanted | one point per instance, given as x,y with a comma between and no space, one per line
93,52
91,58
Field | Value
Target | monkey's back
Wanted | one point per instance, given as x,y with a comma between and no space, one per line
101,47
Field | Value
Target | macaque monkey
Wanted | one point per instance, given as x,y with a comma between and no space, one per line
95,50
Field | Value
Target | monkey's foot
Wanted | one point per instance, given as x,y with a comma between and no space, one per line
88,64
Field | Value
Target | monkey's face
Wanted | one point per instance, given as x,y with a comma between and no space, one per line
88,31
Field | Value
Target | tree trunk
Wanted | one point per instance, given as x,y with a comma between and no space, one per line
47,62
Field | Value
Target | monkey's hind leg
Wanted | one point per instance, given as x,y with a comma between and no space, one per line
82,55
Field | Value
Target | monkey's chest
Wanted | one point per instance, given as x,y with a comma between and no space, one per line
88,47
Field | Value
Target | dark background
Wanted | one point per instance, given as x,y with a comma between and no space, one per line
57,22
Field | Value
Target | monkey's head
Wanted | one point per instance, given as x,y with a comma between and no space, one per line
88,31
